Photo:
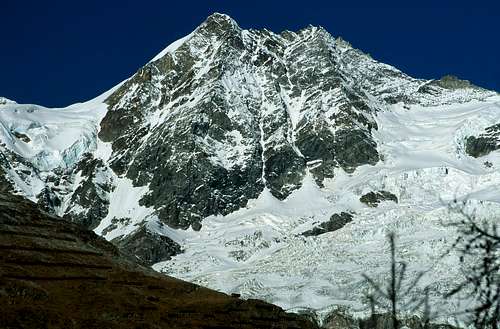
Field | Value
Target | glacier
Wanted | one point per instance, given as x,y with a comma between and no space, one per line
424,165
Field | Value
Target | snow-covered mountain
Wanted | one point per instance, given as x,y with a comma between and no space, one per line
271,165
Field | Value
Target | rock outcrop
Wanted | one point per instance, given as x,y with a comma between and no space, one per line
485,143
372,199
336,222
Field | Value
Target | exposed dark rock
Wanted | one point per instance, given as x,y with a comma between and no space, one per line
319,145
485,143
194,188
284,171
452,82
481,146
48,200
448,82
23,137
384,321
149,247
5,185
340,319
92,194
11,161
336,222
372,199
354,148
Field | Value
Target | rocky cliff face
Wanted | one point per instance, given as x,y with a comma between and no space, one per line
228,112
485,143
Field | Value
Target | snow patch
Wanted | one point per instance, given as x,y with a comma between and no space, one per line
170,49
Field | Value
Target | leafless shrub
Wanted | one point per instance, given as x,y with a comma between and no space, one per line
478,245
391,296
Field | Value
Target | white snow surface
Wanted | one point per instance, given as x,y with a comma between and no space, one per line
57,136
171,48
258,251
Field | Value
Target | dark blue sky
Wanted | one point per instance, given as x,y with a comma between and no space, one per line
55,53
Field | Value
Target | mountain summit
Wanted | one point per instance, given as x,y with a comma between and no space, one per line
236,151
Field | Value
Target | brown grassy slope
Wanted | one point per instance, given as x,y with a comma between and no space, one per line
55,274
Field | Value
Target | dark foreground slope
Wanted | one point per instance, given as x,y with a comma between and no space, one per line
54,274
